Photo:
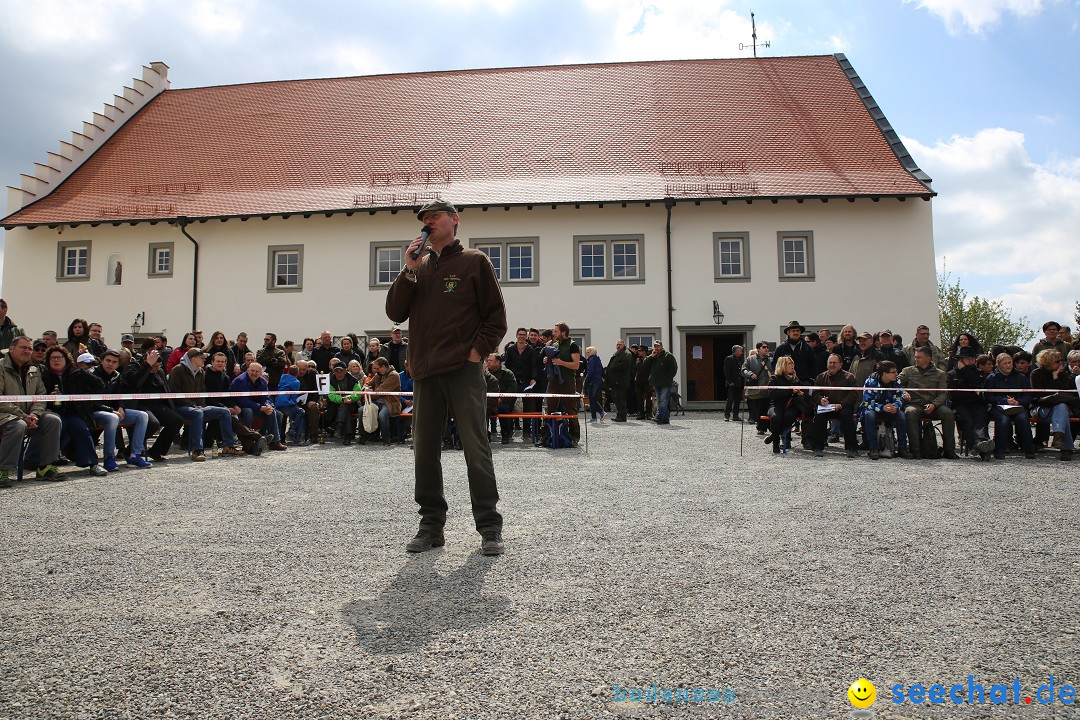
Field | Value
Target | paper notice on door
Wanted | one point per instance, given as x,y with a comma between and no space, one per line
696,353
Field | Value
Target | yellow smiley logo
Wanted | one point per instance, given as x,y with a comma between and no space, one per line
862,693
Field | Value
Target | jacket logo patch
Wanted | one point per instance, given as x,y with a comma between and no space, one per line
451,283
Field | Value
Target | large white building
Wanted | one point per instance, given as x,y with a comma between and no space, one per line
705,203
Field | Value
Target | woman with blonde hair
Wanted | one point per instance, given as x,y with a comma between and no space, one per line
788,400
1053,407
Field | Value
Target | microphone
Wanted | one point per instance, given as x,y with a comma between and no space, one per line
423,242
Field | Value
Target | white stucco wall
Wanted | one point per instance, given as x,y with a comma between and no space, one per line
874,267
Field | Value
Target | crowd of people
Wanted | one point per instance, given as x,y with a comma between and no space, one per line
878,384
896,393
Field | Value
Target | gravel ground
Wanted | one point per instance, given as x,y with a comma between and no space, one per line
278,587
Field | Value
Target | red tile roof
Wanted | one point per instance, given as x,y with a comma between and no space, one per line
768,127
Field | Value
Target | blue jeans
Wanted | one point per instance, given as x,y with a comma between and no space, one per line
110,422
296,416
384,419
1058,415
200,416
663,400
74,430
594,398
269,426
870,419
137,435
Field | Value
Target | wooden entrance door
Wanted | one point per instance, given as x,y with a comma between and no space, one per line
699,363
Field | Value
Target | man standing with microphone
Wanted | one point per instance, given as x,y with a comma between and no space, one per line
457,317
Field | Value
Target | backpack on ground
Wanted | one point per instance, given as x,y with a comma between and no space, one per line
928,443
558,432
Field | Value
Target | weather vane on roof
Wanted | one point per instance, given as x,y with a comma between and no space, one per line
753,28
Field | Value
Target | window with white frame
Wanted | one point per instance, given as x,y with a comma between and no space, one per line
73,260
160,261
795,255
640,336
387,262
285,268
731,256
514,259
614,258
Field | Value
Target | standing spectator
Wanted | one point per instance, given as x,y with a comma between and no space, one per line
304,353
18,376
619,371
273,360
375,351
889,350
733,378
821,355
452,300
522,360
347,353
324,352
846,346
594,382
240,347
8,329
561,362
49,336
507,383
1051,341
922,339
1009,410
396,351
662,373
866,362
756,375
96,345
127,342
642,364
77,337
798,350
963,340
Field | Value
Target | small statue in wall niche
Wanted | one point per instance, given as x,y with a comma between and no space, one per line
118,273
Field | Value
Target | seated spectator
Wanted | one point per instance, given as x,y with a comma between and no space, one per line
127,342
756,374
821,355
922,339
385,380
347,353
253,382
1022,362
1051,341
344,401
963,340
883,405
289,406
309,401
144,374
8,329
866,362
1054,406
76,418
109,373
507,383
37,355
928,400
970,407
789,401
18,376
218,344
240,348
832,405
1074,363
1008,409
186,344
188,377
49,336
102,415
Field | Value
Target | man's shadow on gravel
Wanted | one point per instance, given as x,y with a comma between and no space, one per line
421,604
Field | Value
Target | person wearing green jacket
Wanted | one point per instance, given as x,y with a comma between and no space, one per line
662,373
344,397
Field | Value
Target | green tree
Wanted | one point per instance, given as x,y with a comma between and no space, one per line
988,320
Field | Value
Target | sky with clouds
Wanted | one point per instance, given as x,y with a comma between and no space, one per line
985,93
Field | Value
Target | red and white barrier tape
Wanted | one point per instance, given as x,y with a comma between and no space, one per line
189,396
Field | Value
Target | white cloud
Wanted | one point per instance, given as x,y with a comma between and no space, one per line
974,15
219,19
678,29
64,25
1005,225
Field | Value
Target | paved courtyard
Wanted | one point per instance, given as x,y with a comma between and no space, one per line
278,587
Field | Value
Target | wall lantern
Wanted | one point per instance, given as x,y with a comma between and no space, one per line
717,316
